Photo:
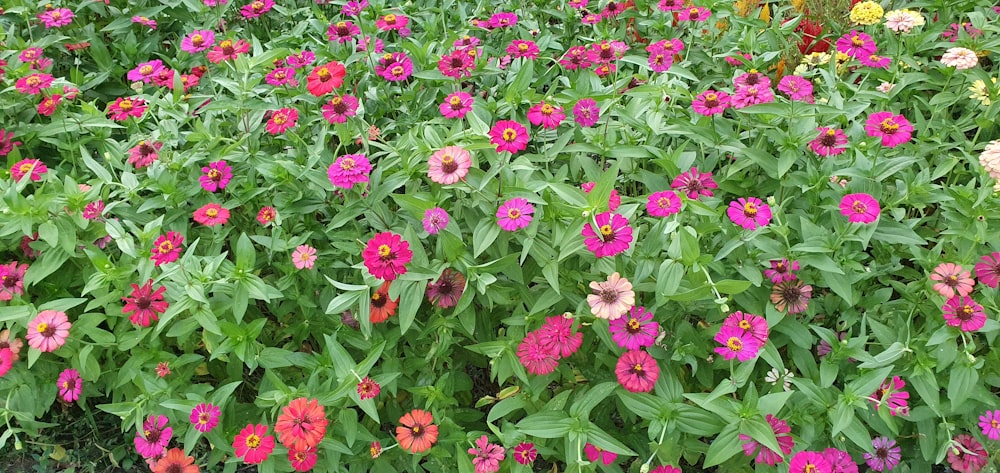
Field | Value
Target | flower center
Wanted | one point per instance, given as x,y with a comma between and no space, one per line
347,164
143,302
253,441
966,313
663,203
323,73
212,212
378,301
810,468
734,344
448,164
509,135
384,251
197,40
280,119
165,247
888,126
257,6
693,12
214,175
55,15
397,70
633,325
390,19
152,436
744,324
26,167
513,214
146,70
859,207
203,418
856,41
547,109
42,328
417,431
637,370
227,47
455,101
750,209
609,296
125,105
711,100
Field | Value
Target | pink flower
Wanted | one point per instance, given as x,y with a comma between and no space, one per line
606,52
304,257
124,107
752,79
339,108
556,335
256,8
749,213
266,215
353,7
216,176
809,462
198,41
56,17
736,343
342,31
535,356
860,208
710,103
435,220
7,142
145,305
144,154
964,313
458,63
33,84
990,423
595,453
875,61
211,215
282,76
503,20
509,136
694,14
988,270
281,120
522,48
666,469
304,58
392,22
840,461
752,325
348,170
635,330
145,71
368,389
953,279
797,88
49,104
386,256
163,369
447,290
966,455
69,384
154,436
586,112
546,115
487,456
695,184
514,214
144,22
752,95
33,168
48,330
615,235
575,58
611,299
227,50
204,417
449,165
781,270
894,130
891,394
6,360
93,210
661,54
253,445
637,372
167,248
856,44
782,432
525,453
829,142
456,105
394,67
12,280
663,204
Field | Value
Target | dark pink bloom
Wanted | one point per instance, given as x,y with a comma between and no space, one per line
154,436
145,71
856,44
33,168
967,455
227,50
663,204
885,454
34,84
342,31
635,330
894,130
557,336
339,108
525,453
809,462
56,17
891,393
447,290
216,176
749,213
456,105
736,343
523,48
348,170
860,208
694,14
586,112
751,324
281,120
198,41
509,136
637,372
752,95
535,356
614,234
965,313
781,270
124,107
12,280
987,269
546,115
829,142
797,88
486,456
595,453
256,8
167,248
144,154
386,256
711,102
514,214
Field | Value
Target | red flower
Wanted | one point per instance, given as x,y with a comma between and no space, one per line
382,307
252,444
323,79
145,305
302,424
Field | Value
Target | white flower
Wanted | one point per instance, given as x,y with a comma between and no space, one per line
960,58
885,87
774,376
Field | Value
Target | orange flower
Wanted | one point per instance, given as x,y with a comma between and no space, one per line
302,424
417,432
381,306
176,462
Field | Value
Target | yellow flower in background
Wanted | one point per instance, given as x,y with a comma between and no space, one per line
980,92
867,13
816,59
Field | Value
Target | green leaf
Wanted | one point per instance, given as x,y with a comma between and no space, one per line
505,407
545,424
725,446
758,429
602,440
961,383
246,256
585,403
410,299
643,405
484,235
732,286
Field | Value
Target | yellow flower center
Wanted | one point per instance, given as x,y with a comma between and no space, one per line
734,344
606,231
547,109
523,47
212,212
744,324
397,70
509,134
634,325
146,70
253,441
42,327
513,214
280,119
456,100
347,164
888,126
750,209
197,40
165,247
323,73
336,101
125,105
27,167
859,207
33,81
384,250
390,19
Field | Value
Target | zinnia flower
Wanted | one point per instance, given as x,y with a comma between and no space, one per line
14,346
381,307
28,167
595,454
781,270
302,460
663,204
866,13
514,214
211,215
546,115
167,248
449,165
615,235
736,343
216,176
749,213
637,372
348,170
34,84
636,330
891,394
301,424
525,453
953,279
198,41
266,215
711,102
447,290
253,445
960,58
860,208
145,71
894,130
12,280
304,257
124,107
416,432
751,324
885,455
840,461
435,220
964,313
282,120
856,44
205,416
48,330
556,335
611,299
535,355
829,142
456,105
809,462
990,423
782,432
386,255
339,108
175,461
509,136
70,385
56,17
792,295
154,436
987,270
323,79
145,305
797,88
394,67
144,154
695,184
486,456
966,455
586,112
522,48
368,388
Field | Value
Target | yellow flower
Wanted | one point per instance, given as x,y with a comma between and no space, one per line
816,59
980,92
867,13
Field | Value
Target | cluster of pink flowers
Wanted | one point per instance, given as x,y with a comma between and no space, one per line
742,335
662,53
541,349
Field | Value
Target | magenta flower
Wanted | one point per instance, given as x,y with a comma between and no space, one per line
386,256
809,462
694,184
458,63
615,235
144,21
840,461
797,88
694,14
154,436
637,372
216,176
736,343
894,130
749,213
12,280
990,423
606,52
33,168
546,115
829,142
782,432
509,136
435,220
752,95
891,394
586,112
144,305
145,71
860,208
635,330
144,153
342,31
751,324
124,107
557,336
339,108
198,41
205,416
256,8
503,20
988,270
525,453
711,102
663,204
348,170
595,453
486,456
456,105
392,22
93,210
752,79
885,454
33,84
875,61
522,48
56,17
394,67
781,270
70,385
167,248
856,44
514,214
966,454
535,355
964,313
282,76
281,120
575,58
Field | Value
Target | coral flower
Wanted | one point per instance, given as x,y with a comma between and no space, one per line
514,214
167,248
711,102
323,79
416,432
144,153
381,306
252,444
449,165
615,235
198,41
456,105
227,50
435,220
486,456
211,215
205,416
987,270
894,130
635,330
154,436
952,279
637,372
546,115
266,215
736,343
964,313
663,204
749,213
782,432
304,257
70,385
368,388
301,424
885,454
48,330
829,142
386,255
339,108
595,454
28,167
694,184
447,290
348,170
145,305
216,176
535,355
281,120
175,461
509,136
809,462
611,299
302,460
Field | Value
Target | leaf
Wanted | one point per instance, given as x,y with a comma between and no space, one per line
410,299
505,407
725,446
545,424
961,383
601,439
643,405
581,407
